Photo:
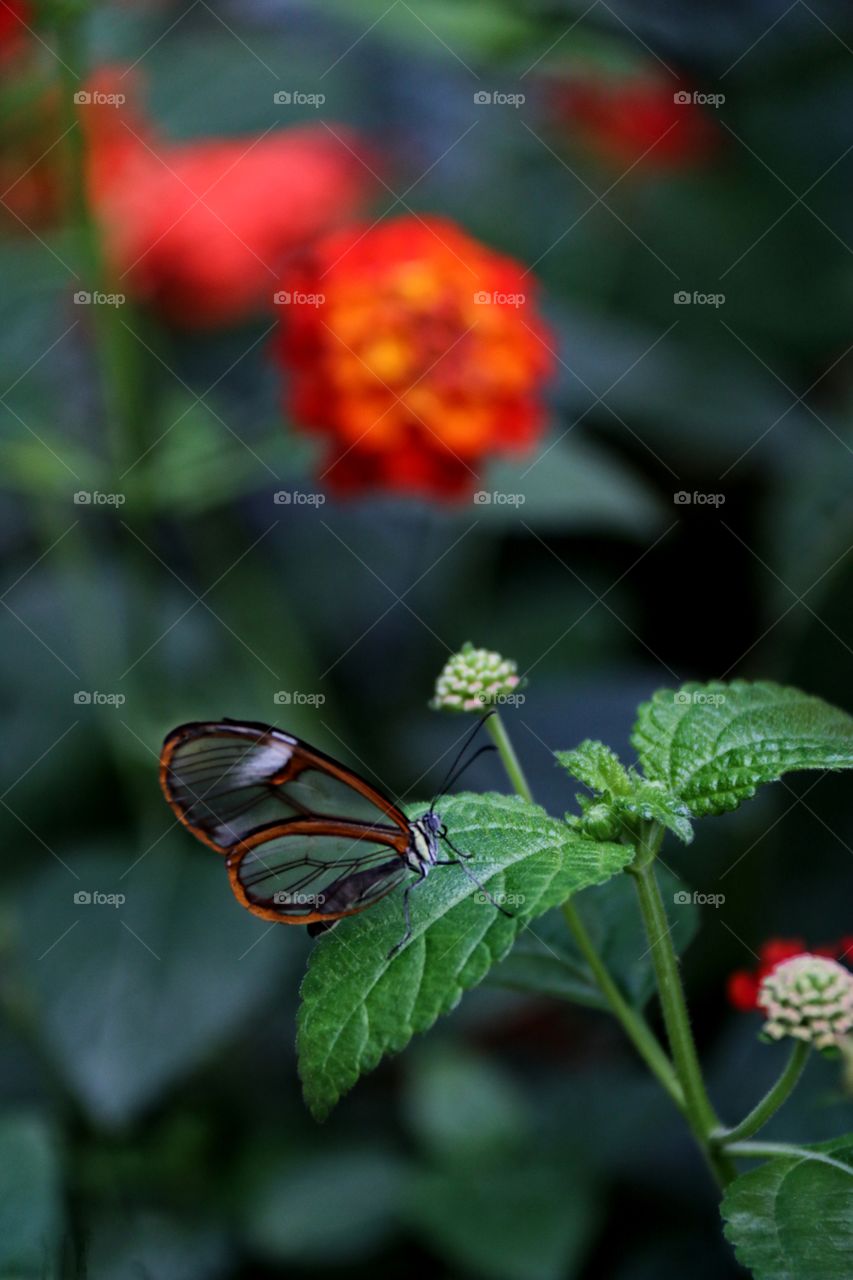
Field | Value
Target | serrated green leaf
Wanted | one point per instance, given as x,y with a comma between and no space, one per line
596,766
550,963
714,744
357,1004
792,1219
653,803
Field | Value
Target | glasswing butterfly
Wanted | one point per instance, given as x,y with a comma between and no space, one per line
306,839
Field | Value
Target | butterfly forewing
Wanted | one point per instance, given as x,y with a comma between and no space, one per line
225,780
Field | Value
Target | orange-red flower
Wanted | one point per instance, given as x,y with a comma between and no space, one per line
743,985
646,114
201,230
15,17
415,351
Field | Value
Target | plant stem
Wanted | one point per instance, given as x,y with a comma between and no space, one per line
116,349
778,1150
511,763
635,1026
697,1105
633,1023
770,1103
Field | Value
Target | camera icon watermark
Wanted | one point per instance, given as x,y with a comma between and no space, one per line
486,498
684,898
95,898
495,297
297,498
295,698
695,97
499,899
497,98
94,698
85,298
684,499
295,298
296,98
94,498
285,898
95,98
684,298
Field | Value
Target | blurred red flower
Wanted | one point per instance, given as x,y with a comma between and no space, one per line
15,18
642,114
416,352
201,230
743,985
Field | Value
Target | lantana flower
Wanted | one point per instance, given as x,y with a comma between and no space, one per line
808,998
201,230
473,679
744,985
415,352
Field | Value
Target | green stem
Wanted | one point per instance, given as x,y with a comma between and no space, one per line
697,1105
770,1103
511,763
778,1150
116,349
634,1025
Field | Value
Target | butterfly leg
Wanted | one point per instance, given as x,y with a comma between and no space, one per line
454,862
460,853
407,913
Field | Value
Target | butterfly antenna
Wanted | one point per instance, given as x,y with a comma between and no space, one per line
460,753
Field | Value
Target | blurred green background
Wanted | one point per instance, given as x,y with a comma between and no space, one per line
152,1124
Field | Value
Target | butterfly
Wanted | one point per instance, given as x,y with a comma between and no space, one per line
306,839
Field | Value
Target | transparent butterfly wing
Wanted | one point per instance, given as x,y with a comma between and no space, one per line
224,780
302,872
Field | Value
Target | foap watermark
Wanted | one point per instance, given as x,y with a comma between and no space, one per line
502,699
698,698
94,498
95,898
684,898
84,298
684,298
696,98
497,98
697,499
496,298
97,98
94,698
495,497
294,698
285,898
295,298
296,98
297,498
507,900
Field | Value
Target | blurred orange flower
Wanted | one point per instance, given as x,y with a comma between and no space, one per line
15,17
201,230
641,114
416,352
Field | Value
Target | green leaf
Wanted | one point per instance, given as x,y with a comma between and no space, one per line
30,1214
597,767
550,963
652,802
326,1209
714,744
518,1221
792,1219
131,997
357,1004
